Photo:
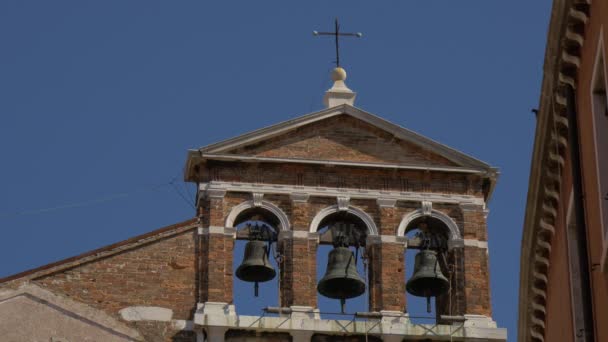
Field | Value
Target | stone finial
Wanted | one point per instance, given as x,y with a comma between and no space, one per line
339,93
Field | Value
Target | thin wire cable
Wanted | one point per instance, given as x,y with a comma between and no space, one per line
181,194
83,203
185,185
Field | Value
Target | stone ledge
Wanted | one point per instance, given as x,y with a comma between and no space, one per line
475,328
146,313
313,191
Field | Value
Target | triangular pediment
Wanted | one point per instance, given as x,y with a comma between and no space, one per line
342,138
344,134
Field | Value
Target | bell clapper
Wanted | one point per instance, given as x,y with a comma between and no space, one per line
256,288
428,304
342,303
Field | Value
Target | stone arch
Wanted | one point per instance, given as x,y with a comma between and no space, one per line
283,220
454,232
372,229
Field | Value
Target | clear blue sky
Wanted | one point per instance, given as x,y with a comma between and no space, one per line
99,99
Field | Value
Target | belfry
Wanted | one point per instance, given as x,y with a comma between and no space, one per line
347,178
340,178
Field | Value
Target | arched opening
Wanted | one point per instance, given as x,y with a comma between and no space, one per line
255,250
427,234
337,231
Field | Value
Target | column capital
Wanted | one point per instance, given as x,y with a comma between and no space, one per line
471,207
378,239
257,198
343,203
427,208
297,234
215,193
217,230
299,197
386,202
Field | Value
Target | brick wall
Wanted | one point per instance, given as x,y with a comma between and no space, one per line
162,274
386,277
470,283
343,177
217,255
298,272
343,138
477,281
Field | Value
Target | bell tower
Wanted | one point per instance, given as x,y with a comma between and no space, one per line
369,189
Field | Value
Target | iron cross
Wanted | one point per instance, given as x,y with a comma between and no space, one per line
337,34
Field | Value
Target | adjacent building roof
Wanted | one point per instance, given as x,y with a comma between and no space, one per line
105,251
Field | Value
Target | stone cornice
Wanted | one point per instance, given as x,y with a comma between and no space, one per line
299,197
224,150
298,234
258,159
386,202
379,239
550,147
301,191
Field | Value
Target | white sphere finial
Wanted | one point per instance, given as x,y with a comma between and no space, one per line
338,74
339,93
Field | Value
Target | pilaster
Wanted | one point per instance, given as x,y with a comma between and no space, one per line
387,273
298,268
300,216
215,206
476,270
217,248
388,217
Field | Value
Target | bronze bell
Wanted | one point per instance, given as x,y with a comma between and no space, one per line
341,280
255,266
428,280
